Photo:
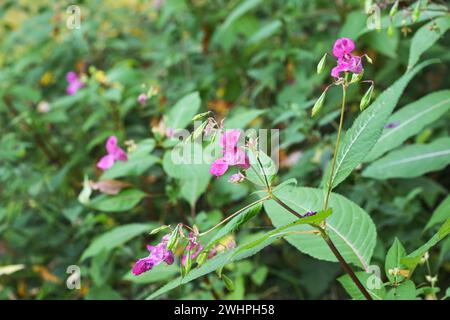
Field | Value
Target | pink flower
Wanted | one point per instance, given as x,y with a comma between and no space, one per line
158,254
232,154
193,245
219,167
142,99
114,153
74,83
343,46
346,61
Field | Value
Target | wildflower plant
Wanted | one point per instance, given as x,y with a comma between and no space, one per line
213,157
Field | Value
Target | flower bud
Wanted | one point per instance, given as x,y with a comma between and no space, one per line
394,9
366,98
318,105
416,12
356,77
156,230
321,64
228,283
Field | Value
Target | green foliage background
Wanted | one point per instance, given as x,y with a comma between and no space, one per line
251,61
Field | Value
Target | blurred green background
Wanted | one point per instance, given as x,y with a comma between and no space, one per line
252,61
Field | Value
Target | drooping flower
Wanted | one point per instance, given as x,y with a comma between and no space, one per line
346,61
232,154
158,254
194,247
114,153
142,99
74,83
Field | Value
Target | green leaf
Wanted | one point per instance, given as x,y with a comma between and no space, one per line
259,276
138,162
240,10
180,115
367,128
411,260
395,253
187,162
411,120
125,200
355,293
114,238
426,36
441,213
265,31
242,118
350,228
234,224
411,161
405,291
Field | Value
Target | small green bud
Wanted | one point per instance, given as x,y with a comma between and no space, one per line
369,59
188,262
200,116
394,9
173,239
318,105
321,64
357,77
390,30
201,258
198,131
228,283
416,12
366,98
156,230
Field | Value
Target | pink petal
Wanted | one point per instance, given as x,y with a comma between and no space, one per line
111,144
236,157
71,76
218,167
230,139
106,162
343,46
336,71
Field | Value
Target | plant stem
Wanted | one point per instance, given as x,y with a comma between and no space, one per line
336,148
333,249
345,265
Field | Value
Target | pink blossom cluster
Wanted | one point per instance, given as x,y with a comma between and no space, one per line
232,154
346,61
